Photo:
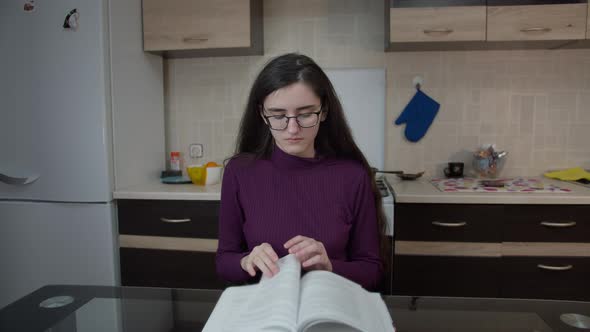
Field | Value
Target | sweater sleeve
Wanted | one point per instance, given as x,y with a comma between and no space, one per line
232,244
363,265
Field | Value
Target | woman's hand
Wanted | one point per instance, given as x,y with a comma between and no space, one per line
262,258
311,253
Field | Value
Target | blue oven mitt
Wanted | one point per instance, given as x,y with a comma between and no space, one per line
418,116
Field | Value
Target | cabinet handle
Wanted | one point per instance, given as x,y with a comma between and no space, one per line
438,31
558,224
194,39
175,221
449,224
535,29
555,268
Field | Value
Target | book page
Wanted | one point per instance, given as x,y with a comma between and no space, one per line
328,298
269,305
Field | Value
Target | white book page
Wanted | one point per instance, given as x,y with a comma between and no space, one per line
270,305
329,298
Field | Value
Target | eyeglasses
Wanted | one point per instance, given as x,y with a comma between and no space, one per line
304,120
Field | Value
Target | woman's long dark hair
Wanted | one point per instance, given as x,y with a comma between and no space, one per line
334,138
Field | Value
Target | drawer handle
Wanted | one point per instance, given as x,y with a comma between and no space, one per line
175,221
449,224
535,29
555,268
558,224
438,31
194,39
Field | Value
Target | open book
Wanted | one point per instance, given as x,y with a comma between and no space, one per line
320,301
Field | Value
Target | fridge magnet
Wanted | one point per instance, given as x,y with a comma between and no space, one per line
29,6
71,20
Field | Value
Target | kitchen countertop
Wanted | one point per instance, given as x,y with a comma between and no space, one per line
161,191
422,191
418,191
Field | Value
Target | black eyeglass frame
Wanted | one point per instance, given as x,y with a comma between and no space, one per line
267,117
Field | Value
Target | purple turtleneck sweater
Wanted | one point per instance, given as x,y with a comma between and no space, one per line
273,200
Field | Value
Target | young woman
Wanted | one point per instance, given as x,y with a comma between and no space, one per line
298,183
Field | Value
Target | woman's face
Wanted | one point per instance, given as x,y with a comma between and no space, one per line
297,99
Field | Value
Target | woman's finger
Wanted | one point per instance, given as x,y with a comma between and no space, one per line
296,247
270,253
312,261
294,240
272,267
306,252
250,268
262,266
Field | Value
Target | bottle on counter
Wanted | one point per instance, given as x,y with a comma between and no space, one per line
175,161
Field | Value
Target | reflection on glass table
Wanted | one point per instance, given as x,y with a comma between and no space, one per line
99,308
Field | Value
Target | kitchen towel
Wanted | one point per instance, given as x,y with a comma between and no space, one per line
572,174
418,116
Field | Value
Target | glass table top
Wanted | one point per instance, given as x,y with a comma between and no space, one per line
100,308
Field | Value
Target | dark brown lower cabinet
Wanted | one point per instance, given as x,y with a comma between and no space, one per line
446,276
563,278
169,268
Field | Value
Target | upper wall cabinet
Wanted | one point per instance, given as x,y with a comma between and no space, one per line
536,22
190,28
438,25
414,21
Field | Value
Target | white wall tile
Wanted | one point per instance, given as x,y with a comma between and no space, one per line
533,103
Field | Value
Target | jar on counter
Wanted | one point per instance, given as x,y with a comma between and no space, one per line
175,161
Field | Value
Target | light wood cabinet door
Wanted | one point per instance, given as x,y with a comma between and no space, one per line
537,22
588,24
440,24
196,24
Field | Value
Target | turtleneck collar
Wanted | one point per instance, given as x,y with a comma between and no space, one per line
286,161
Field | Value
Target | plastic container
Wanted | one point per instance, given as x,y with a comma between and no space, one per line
202,175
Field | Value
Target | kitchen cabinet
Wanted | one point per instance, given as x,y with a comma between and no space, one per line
446,276
168,243
436,222
191,28
513,250
547,223
545,277
447,250
437,24
537,22
431,25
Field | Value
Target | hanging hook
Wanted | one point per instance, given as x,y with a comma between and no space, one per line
417,82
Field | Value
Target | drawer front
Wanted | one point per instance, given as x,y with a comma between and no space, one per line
448,222
169,268
196,219
195,24
561,278
542,223
445,276
537,22
437,24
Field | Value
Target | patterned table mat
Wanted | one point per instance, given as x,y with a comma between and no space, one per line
516,185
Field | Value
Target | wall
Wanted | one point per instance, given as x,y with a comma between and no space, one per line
535,104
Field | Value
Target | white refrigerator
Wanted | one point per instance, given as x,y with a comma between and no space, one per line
57,215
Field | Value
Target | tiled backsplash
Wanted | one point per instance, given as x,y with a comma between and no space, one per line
535,104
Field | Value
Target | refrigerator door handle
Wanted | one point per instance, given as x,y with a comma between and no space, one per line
17,180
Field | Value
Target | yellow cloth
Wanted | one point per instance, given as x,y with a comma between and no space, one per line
571,174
